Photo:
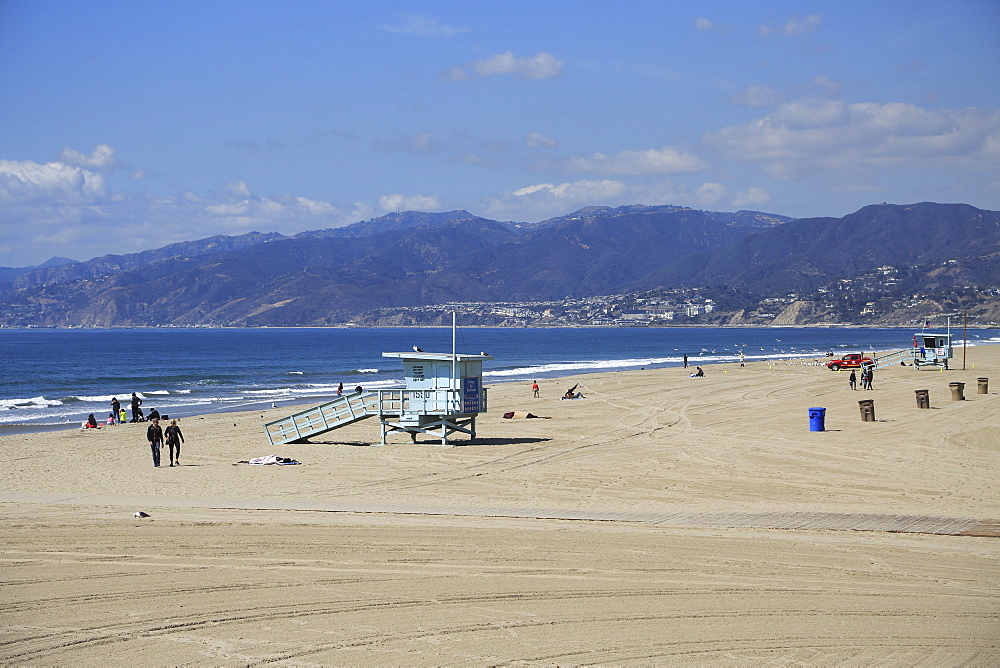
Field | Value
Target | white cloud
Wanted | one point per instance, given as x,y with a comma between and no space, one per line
540,66
23,182
828,85
756,96
751,197
666,160
61,209
397,202
544,200
423,27
102,157
702,24
808,135
793,26
710,194
538,140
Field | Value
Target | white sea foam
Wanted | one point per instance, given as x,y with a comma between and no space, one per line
367,370
557,368
297,373
33,402
99,398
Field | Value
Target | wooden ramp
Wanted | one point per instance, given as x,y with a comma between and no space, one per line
323,418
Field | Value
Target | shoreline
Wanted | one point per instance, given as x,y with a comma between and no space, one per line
33,427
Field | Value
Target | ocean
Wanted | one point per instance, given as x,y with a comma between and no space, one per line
54,378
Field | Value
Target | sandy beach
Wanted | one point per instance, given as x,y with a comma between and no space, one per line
661,520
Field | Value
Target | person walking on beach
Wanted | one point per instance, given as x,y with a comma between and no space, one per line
136,402
155,437
743,359
852,380
340,390
116,408
534,390
174,440
685,360
866,377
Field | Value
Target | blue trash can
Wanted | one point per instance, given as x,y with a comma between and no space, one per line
817,419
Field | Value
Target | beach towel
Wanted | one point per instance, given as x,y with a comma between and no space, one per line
520,415
272,459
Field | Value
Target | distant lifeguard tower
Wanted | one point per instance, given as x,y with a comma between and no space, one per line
443,395
931,349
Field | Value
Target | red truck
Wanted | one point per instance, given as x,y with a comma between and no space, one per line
851,361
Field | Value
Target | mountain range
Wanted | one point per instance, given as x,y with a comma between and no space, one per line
327,277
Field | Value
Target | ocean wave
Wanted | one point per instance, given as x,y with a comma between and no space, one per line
297,373
556,368
33,402
98,398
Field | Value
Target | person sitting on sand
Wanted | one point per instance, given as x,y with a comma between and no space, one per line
153,414
91,422
700,373
571,393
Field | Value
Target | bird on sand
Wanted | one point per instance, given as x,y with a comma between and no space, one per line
141,514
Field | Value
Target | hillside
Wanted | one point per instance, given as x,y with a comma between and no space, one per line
414,259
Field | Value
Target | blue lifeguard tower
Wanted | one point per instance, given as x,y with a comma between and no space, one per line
443,395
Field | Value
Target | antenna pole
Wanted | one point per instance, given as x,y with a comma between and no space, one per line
454,356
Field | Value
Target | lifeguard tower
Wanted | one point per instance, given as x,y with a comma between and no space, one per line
931,349
443,395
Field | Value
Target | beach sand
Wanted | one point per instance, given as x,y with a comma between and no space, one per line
662,519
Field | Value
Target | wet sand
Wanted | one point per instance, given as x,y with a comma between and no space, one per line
663,519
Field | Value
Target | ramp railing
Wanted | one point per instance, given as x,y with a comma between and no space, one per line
358,406
893,358
322,418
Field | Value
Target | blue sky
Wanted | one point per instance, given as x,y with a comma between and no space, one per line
130,125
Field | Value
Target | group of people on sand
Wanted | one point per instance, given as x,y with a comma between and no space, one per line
340,390
867,374
155,435
173,436
571,393
118,416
